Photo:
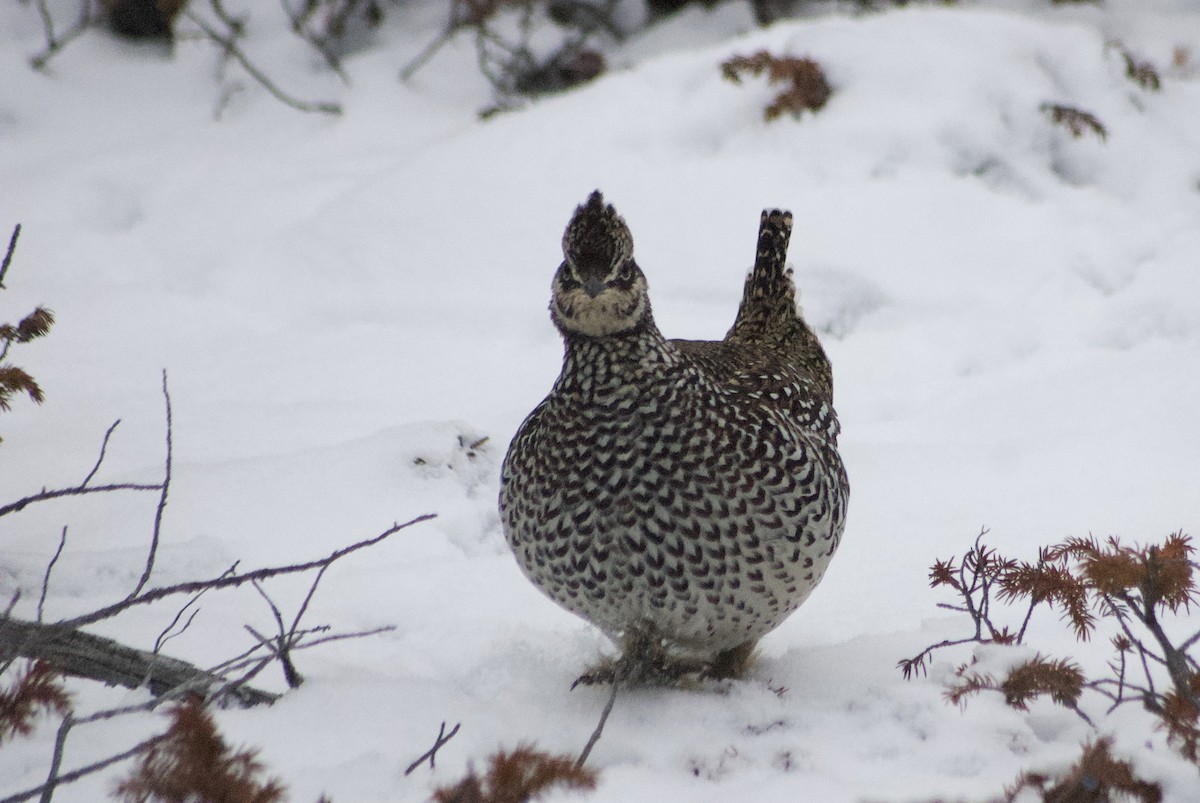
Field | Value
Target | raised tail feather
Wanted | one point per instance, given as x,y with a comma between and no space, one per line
768,309
770,274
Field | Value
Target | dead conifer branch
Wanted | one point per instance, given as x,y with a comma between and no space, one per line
1129,588
70,651
430,755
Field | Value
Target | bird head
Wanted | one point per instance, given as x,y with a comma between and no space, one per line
598,290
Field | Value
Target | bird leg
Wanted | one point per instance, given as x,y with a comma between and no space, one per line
646,661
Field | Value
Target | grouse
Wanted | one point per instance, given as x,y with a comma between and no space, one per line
683,496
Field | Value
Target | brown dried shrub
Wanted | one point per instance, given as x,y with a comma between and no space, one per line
807,88
1097,777
36,690
524,774
193,764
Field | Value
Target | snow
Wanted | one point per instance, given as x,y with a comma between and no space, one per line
344,306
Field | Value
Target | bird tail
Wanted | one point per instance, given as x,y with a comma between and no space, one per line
768,310
770,277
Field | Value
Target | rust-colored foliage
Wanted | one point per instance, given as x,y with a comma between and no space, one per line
193,764
1180,717
1129,587
1096,778
1050,581
807,90
35,324
1161,574
36,690
1075,120
14,380
1061,679
524,774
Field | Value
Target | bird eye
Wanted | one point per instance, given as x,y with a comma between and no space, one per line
625,274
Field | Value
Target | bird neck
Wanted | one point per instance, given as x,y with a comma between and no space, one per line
595,366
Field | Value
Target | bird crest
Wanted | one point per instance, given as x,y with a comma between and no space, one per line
596,240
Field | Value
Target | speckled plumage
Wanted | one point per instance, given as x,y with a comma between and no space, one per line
685,493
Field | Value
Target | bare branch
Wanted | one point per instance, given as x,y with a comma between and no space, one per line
12,246
304,645
233,580
911,666
44,495
96,766
1190,641
229,44
62,542
271,603
60,743
431,754
12,603
103,451
169,632
307,599
244,659
279,650
162,498
282,644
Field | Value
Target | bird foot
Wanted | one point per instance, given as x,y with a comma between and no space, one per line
648,663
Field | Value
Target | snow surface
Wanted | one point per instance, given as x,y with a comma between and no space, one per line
345,304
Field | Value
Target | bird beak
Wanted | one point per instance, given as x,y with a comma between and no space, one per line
593,287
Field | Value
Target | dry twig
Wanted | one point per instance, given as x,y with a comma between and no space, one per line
430,755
